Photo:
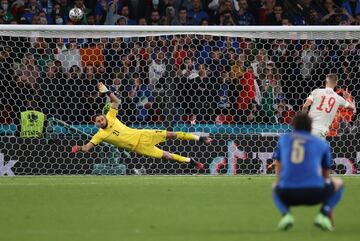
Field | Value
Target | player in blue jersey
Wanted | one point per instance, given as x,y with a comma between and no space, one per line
303,165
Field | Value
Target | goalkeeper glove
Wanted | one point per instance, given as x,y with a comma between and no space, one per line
103,89
75,149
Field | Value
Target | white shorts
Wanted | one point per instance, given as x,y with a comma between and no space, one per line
319,133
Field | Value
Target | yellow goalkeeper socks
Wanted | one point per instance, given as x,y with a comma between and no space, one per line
187,136
179,158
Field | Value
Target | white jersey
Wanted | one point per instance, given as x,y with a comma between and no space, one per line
325,103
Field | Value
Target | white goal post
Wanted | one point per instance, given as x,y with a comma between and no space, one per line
240,84
89,31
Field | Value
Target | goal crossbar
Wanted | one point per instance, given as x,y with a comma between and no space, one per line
96,31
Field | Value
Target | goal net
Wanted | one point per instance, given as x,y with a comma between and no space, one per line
240,85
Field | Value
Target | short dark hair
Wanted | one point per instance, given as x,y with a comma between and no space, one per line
183,9
302,122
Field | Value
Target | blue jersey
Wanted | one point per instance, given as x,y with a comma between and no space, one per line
302,157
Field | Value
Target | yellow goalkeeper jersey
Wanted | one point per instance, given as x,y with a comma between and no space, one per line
116,133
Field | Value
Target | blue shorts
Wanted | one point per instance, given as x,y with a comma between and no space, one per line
305,196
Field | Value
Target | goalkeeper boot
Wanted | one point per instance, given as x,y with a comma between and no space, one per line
196,164
205,139
286,222
323,222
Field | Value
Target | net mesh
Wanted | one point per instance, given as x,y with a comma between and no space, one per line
242,88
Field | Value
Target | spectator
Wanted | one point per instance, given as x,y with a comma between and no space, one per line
335,16
314,17
92,54
43,18
80,4
126,13
217,62
226,18
352,7
142,21
2,14
155,18
225,6
34,6
101,75
271,92
157,70
205,95
65,7
56,12
91,20
226,117
206,47
101,11
36,19
298,11
310,59
285,21
143,99
238,69
182,18
113,52
68,54
169,16
260,63
252,114
265,10
89,74
284,113
204,22
196,14
75,72
224,88
357,20
6,63
249,90
275,17
111,15
122,21
244,16
43,54
29,72
7,114
58,20
187,69
7,15
179,52
17,7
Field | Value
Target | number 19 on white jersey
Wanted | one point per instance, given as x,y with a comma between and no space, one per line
325,103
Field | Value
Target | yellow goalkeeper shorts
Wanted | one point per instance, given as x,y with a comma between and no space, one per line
148,141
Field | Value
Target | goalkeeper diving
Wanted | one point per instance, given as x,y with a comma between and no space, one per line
141,141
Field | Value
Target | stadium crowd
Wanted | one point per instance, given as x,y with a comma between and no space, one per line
184,12
190,79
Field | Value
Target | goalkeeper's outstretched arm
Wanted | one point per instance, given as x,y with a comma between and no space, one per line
85,148
114,100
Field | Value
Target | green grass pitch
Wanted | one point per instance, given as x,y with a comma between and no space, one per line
159,208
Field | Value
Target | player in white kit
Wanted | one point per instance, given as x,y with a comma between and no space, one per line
324,104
